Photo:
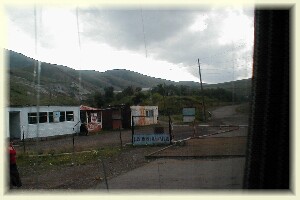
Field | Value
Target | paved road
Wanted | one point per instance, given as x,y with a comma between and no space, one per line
224,173
208,173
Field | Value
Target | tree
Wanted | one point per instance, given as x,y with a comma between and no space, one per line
128,91
138,89
159,89
156,98
183,90
99,100
171,90
138,98
109,94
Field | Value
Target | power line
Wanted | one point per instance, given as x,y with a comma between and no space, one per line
223,52
79,42
144,32
79,45
37,72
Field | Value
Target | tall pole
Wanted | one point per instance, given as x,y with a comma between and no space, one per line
164,86
132,129
203,106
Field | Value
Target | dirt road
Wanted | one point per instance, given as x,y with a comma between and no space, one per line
229,115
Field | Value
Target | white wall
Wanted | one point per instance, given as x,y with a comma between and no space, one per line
46,129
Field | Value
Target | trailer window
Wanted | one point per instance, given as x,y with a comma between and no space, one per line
70,116
62,116
149,113
43,117
32,118
51,119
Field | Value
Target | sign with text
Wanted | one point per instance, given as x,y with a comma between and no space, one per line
150,139
188,111
188,114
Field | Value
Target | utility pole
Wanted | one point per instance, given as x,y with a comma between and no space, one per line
203,106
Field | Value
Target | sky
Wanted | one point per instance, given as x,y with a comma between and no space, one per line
159,42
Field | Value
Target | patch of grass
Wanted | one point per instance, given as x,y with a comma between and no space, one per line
79,158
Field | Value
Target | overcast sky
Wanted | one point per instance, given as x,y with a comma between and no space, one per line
163,43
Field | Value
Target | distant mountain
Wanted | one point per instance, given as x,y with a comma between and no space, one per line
239,87
121,78
61,85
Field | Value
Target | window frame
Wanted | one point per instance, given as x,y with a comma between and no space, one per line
69,116
32,118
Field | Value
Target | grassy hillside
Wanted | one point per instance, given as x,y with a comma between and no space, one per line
61,85
239,87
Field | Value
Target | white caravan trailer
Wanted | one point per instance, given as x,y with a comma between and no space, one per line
51,121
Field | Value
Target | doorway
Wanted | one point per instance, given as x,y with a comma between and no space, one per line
14,125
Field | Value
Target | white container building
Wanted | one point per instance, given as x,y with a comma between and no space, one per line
51,121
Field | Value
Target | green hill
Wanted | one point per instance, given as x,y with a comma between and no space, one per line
61,85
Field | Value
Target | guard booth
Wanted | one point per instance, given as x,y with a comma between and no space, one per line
91,119
145,127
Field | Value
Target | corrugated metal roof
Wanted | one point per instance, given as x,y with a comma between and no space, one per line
82,107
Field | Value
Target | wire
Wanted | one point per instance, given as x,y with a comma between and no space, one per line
77,21
242,44
144,32
38,73
79,44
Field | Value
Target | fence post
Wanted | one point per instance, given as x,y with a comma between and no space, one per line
170,128
121,137
73,140
194,128
104,171
73,153
23,142
132,129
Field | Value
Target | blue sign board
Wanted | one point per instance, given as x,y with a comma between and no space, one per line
150,139
188,111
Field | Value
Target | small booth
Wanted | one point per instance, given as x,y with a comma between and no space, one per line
91,119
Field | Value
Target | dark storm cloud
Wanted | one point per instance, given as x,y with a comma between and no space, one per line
165,33
128,28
